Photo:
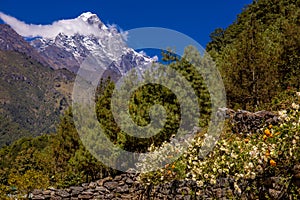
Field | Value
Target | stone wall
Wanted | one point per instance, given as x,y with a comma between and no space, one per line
245,122
125,186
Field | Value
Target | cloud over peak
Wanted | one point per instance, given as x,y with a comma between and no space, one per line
80,25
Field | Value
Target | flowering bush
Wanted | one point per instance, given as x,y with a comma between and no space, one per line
166,152
272,152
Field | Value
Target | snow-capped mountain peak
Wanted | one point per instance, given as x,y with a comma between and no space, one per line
92,19
87,15
69,49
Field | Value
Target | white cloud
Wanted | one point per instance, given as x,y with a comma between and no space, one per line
67,26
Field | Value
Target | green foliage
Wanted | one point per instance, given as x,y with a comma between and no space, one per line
27,182
258,54
30,99
143,98
60,158
4,190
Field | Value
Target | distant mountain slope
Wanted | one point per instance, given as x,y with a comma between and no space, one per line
12,41
32,96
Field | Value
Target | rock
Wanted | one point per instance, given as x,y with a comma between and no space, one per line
122,189
56,198
99,197
246,122
37,192
85,185
38,197
92,185
82,196
75,191
129,181
102,181
63,193
111,185
117,178
110,196
88,193
101,189
47,192
121,183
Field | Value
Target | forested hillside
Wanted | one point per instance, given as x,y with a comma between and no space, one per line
258,55
32,96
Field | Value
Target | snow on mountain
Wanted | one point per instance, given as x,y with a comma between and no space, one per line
67,50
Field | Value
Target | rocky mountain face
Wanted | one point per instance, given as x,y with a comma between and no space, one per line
69,50
12,41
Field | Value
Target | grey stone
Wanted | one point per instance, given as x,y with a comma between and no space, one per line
47,192
101,189
129,181
76,191
37,192
102,181
82,196
111,185
117,178
87,193
110,196
38,197
122,189
63,193
92,185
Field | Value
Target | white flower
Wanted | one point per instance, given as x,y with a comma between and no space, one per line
200,183
206,176
259,168
298,94
237,188
253,175
282,114
235,185
295,106
233,155
213,181
250,165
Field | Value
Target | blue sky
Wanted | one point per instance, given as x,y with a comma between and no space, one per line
196,19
